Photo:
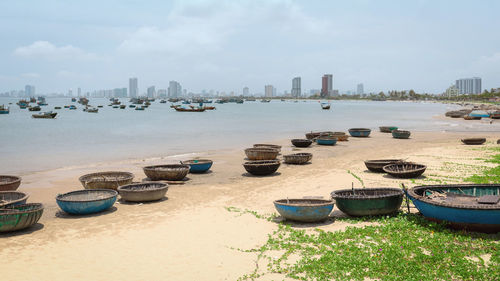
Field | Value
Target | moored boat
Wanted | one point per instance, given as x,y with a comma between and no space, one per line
20,216
106,180
88,201
304,210
360,132
378,164
405,170
495,115
368,201
143,192
4,109
12,198
261,153
400,134
325,105
479,113
34,108
262,167
297,158
197,166
45,115
474,141
173,172
193,109
9,182
387,129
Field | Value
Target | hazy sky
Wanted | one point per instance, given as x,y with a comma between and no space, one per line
226,45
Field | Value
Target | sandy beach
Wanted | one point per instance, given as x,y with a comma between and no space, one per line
191,235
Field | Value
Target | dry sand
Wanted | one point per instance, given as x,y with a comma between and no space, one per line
191,235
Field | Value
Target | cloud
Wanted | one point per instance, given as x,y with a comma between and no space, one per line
45,49
30,75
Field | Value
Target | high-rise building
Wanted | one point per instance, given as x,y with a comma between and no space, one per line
326,85
29,90
119,93
174,89
162,93
79,91
151,92
361,89
296,87
268,91
469,85
133,88
246,91
452,91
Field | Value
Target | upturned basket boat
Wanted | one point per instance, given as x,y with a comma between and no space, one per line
20,216
297,158
263,145
360,132
378,165
261,153
387,129
405,170
368,201
106,180
12,198
89,201
198,166
304,210
473,207
143,192
474,141
9,182
301,142
401,134
262,167
173,172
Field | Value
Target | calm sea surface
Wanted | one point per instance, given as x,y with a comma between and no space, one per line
76,137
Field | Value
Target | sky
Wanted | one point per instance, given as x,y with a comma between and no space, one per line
227,45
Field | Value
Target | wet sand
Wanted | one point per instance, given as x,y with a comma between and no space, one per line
191,235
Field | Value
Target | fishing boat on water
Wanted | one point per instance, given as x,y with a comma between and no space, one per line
264,100
42,101
72,107
45,115
190,109
325,105
34,108
4,110
163,101
73,99
91,110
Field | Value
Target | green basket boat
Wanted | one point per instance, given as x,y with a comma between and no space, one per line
368,201
20,217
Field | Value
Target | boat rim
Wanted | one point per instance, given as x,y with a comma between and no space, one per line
112,193
14,209
395,192
318,202
160,186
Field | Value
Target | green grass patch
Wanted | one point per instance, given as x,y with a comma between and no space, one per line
403,247
489,175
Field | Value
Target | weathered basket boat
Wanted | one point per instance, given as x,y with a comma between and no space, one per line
401,134
262,145
106,180
341,136
301,142
262,167
457,114
304,210
405,170
326,140
88,201
479,113
387,129
313,135
464,206
173,172
143,192
378,165
197,166
9,182
297,158
12,198
368,201
261,153
468,117
20,216
474,141
360,132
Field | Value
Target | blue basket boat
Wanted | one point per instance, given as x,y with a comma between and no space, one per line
360,132
467,206
198,166
326,141
88,201
304,210
479,113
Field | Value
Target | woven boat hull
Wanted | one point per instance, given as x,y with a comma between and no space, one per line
408,170
474,141
387,129
273,146
304,210
12,198
360,132
262,168
135,192
326,141
166,172
106,180
297,158
261,153
486,219
378,165
8,183
88,206
198,166
20,217
399,134
387,201
301,142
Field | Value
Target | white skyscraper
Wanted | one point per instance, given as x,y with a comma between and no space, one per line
268,91
246,91
296,87
361,89
469,86
29,90
174,89
133,88
151,92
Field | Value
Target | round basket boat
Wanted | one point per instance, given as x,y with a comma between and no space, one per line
143,192
106,180
261,153
474,141
360,132
173,172
341,136
198,166
313,135
304,210
20,216
401,134
263,145
9,182
88,201
405,170
301,142
378,165
297,158
12,198
326,140
368,201
387,129
262,167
